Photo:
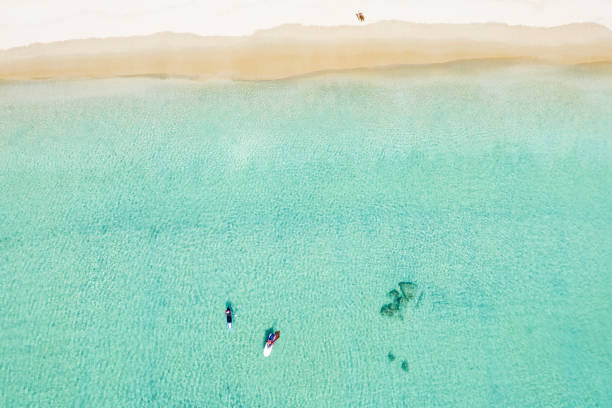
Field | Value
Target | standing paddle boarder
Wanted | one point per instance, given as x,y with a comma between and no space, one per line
228,315
272,337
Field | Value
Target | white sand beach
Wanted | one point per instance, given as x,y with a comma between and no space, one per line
291,50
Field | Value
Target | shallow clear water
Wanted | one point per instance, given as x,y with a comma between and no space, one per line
132,210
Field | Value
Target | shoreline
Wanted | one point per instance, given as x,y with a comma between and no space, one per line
454,67
294,51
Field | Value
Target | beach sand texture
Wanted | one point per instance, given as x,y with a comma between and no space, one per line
291,50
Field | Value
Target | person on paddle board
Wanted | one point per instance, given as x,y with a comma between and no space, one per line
272,338
228,316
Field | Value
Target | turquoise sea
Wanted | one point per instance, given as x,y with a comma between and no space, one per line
133,209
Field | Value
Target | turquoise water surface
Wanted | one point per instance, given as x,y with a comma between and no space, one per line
133,209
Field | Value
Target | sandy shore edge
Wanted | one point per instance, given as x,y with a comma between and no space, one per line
294,50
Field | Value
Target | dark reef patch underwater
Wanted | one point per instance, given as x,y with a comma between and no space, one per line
408,292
